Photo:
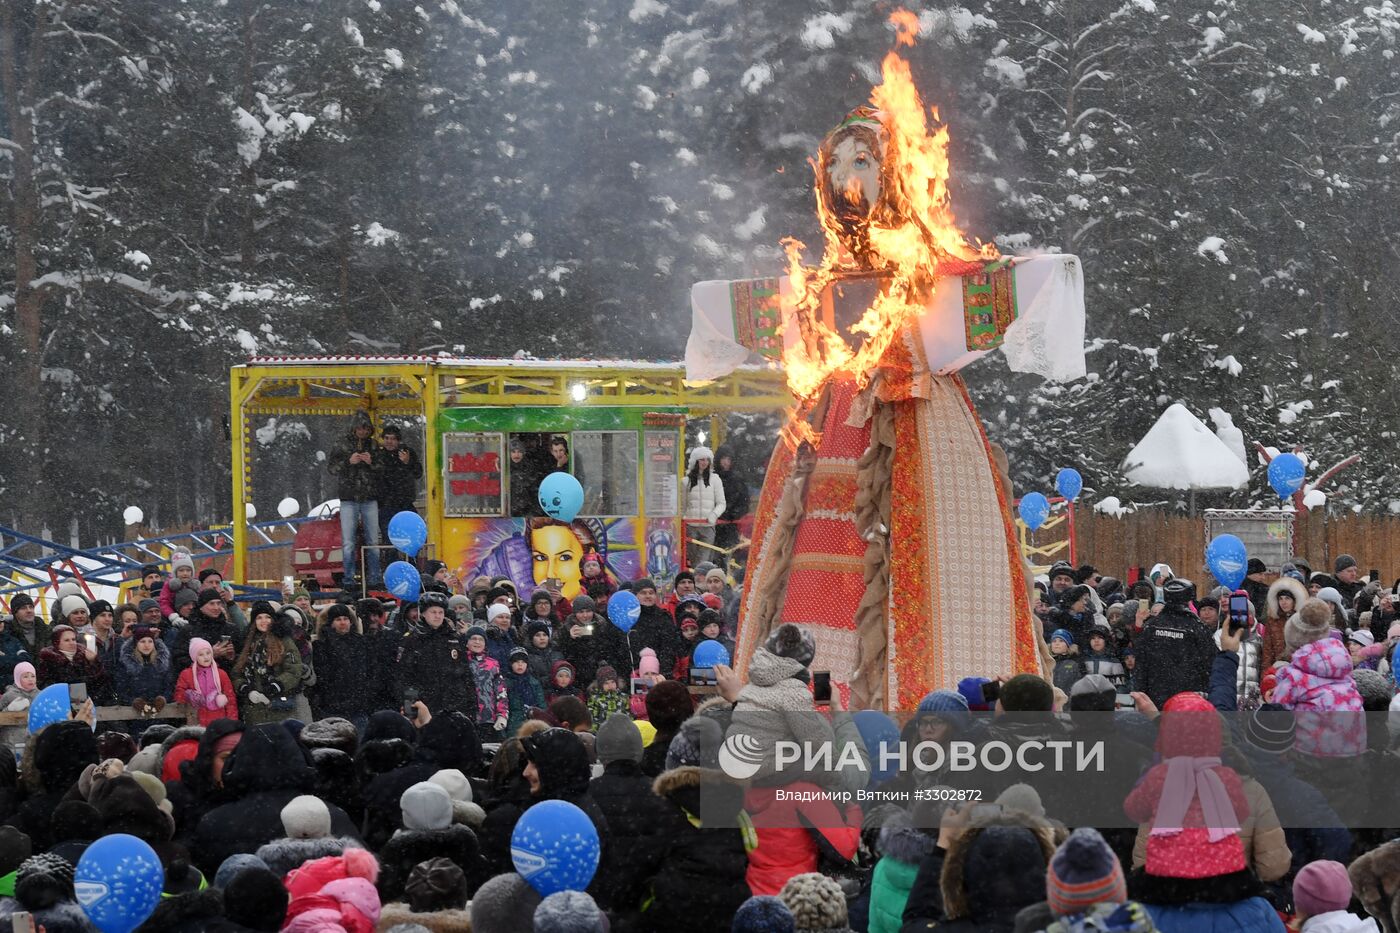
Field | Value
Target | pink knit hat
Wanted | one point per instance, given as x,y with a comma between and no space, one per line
1320,887
196,646
21,668
647,662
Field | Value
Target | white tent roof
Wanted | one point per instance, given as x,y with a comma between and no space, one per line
1182,453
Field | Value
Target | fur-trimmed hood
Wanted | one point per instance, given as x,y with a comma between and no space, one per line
282,855
439,921
974,894
132,664
703,793
1280,585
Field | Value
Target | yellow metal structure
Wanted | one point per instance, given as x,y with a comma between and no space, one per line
1043,556
422,386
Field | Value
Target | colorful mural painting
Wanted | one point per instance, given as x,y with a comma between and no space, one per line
532,550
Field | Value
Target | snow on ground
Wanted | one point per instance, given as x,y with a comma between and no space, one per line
1179,452
1109,505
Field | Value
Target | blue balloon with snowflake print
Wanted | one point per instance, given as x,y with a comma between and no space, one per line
555,847
52,705
118,882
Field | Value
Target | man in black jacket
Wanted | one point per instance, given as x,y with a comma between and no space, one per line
635,816
434,662
736,504
399,473
355,464
655,629
210,623
1174,651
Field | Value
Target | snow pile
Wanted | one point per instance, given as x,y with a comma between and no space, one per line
1006,71
1314,499
1212,38
138,258
1213,247
1180,452
1109,505
1231,436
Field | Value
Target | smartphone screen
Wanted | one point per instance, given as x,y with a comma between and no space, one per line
77,695
821,686
1123,701
1239,610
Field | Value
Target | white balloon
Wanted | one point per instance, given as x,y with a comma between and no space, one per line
288,507
133,515
251,511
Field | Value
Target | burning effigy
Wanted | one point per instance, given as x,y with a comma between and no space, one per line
885,521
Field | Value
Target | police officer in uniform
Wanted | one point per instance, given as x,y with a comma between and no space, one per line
434,661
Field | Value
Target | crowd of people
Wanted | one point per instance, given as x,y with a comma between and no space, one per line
362,765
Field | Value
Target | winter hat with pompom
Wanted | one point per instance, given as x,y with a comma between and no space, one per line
816,902
794,642
647,662
1312,622
1084,872
196,646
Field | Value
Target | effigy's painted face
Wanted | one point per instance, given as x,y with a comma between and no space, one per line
854,173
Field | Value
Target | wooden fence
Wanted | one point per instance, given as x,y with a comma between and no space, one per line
1142,539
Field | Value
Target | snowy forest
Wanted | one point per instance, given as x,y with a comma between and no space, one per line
187,184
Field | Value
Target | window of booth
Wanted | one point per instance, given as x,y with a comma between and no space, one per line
531,456
605,464
472,474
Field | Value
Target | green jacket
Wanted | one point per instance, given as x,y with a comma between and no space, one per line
889,890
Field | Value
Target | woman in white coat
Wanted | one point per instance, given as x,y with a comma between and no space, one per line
704,503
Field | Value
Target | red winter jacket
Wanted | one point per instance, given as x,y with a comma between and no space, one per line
793,832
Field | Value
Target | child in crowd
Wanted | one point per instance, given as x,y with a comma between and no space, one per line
561,683
542,653
144,676
712,629
183,579
649,671
1321,894
690,635
1068,667
206,686
605,697
19,694
1317,683
1102,659
523,691
492,702
593,576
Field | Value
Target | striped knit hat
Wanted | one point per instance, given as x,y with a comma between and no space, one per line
1084,872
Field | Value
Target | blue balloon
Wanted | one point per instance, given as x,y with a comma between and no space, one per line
1069,483
708,654
624,610
118,882
561,496
1227,559
1034,509
51,705
878,731
1286,472
408,532
555,847
403,581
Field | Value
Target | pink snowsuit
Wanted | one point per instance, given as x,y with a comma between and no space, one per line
1317,686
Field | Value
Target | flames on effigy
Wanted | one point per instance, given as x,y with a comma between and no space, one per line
883,203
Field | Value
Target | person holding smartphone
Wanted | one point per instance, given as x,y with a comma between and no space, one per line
66,661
